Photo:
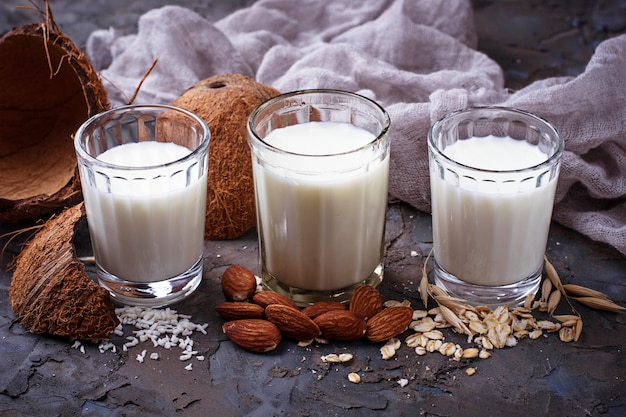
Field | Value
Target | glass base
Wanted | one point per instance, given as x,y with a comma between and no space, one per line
152,294
482,295
304,298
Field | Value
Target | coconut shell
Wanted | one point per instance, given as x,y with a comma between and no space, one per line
48,88
225,102
51,292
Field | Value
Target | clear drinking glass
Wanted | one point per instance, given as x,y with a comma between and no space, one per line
143,171
321,208
491,212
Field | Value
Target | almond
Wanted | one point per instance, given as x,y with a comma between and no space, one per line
238,283
255,335
341,325
366,301
389,323
240,310
322,307
265,298
293,323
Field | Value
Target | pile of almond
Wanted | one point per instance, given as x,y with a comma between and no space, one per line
258,321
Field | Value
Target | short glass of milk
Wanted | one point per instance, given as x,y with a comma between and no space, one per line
320,161
143,172
493,176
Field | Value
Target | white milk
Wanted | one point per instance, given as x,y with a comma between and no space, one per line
489,234
140,231
322,229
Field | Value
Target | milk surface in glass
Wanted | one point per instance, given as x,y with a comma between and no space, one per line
490,233
138,230
323,222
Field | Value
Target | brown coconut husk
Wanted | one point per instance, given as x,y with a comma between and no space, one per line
48,88
51,292
225,102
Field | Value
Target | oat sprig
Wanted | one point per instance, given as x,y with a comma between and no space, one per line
600,304
423,287
592,298
587,296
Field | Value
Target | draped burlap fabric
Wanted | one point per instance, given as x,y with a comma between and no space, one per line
417,59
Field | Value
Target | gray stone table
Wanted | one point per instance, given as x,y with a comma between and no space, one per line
42,375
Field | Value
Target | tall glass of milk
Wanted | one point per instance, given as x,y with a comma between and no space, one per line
143,172
493,176
320,161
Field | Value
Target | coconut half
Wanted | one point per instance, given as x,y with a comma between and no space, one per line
51,292
48,88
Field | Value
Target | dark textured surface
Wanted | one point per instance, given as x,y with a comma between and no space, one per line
44,376
78,18
536,39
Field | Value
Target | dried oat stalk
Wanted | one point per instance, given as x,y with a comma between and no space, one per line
600,304
587,296
423,287
592,298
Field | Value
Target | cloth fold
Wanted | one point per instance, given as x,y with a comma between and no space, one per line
417,59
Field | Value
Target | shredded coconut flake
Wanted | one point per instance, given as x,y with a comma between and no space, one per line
164,327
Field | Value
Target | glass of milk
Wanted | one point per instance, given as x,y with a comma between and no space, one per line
143,171
320,160
493,176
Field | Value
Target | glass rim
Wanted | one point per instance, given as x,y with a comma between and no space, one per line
82,153
552,160
322,91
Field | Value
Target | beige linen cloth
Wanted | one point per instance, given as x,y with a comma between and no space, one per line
418,59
